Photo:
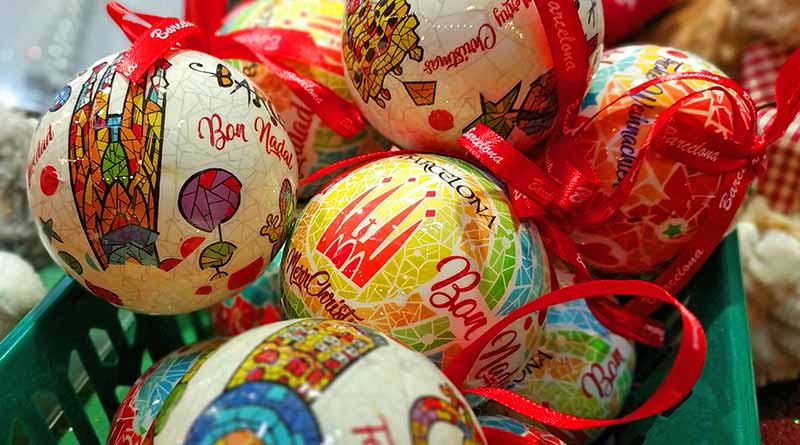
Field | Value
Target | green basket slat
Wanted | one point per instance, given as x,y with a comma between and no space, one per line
34,426
722,408
102,379
75,414
34,357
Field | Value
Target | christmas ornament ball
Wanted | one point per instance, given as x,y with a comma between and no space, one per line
580,367
165,195
312,382
423,72
424,248
139,414
665,209
315,143
587,370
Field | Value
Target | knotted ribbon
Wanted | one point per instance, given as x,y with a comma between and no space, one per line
561,190
154,36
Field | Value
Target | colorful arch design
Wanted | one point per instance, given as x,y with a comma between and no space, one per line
275,411
428,411
278,381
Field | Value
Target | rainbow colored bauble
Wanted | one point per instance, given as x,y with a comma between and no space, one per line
309,382
579,368
424,248
423,72
665,209
167,195
316,144
586,370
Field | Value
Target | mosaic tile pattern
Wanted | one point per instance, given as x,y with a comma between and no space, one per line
667,203
316,144
306,382
424,71
422,247
152,195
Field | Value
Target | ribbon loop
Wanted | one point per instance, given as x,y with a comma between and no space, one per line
682,376
701,150
208,15
132,24
787,98
566,190
346,165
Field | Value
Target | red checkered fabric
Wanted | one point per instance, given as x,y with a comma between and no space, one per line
781,183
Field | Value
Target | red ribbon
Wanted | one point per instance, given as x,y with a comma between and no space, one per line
682,376
564,32
154,36
565,190
207,14
607,311
691,353
346,165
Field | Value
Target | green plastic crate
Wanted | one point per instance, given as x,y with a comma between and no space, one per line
722,408
65,368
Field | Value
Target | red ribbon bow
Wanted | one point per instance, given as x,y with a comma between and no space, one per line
154,36
562,188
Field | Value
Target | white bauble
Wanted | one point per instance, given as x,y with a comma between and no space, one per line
311,382
424,71
167,195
